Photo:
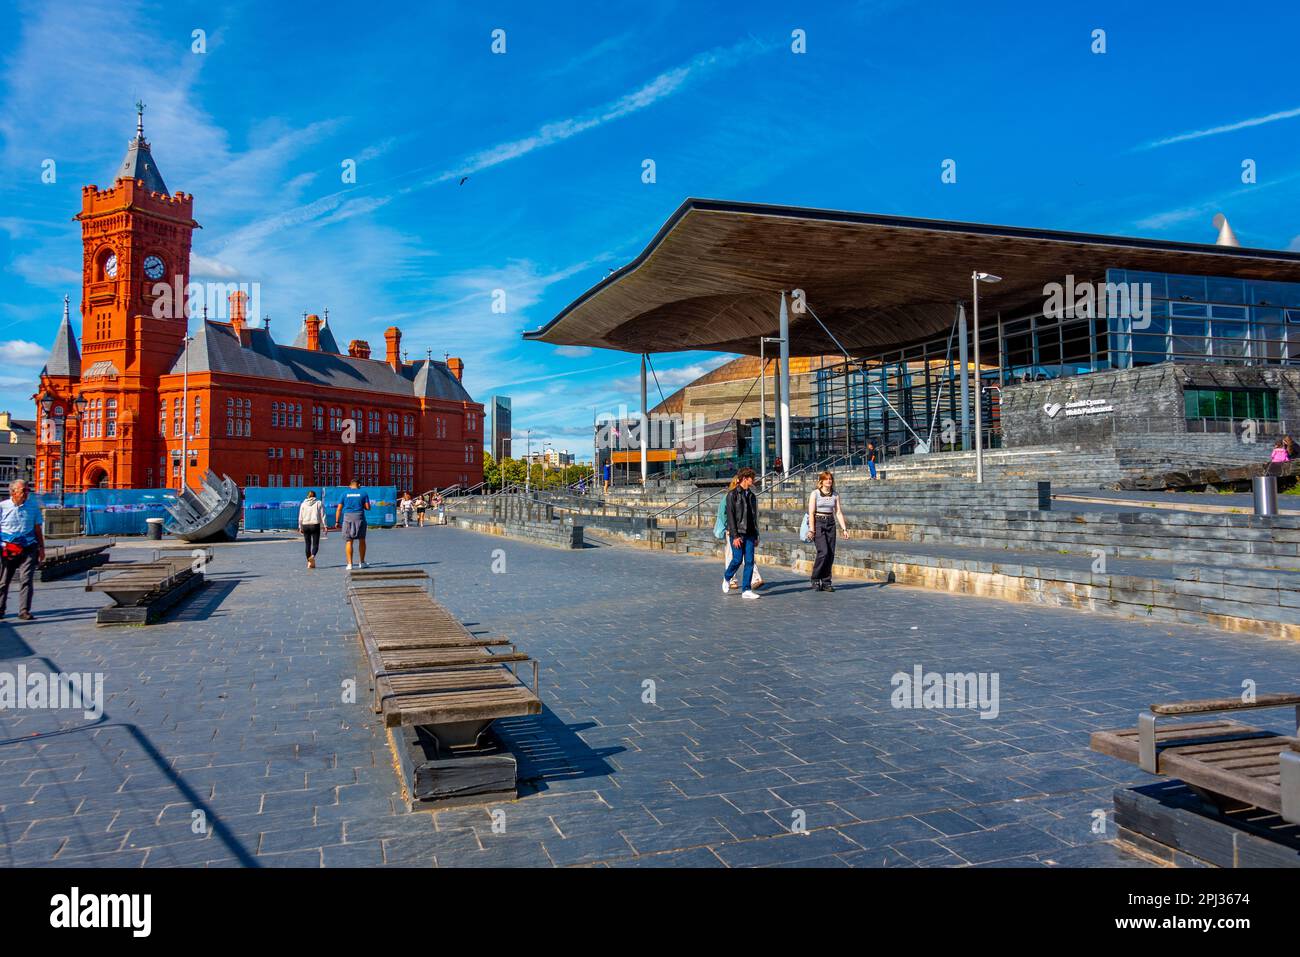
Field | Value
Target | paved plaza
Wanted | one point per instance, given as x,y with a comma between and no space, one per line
682,727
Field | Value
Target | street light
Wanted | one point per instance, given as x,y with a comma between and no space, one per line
528,460
975,279
762,403
78,407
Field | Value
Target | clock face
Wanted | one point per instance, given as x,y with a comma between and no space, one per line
110,266
153,267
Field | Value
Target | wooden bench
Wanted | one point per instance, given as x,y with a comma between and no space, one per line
428,668
62,560
1227,762
142,591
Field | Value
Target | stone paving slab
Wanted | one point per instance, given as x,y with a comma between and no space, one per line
682,727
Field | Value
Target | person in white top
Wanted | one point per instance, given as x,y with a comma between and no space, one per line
311,523
823,513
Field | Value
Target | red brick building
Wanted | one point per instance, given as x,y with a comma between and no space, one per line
235,401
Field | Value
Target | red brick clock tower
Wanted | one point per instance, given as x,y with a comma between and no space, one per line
135,239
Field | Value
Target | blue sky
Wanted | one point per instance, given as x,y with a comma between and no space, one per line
1146,139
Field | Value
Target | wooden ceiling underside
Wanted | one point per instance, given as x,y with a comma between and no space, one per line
711,279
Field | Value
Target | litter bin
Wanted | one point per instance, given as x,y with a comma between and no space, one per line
1264,488
155,526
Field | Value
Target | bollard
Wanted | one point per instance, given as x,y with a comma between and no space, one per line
155,528
1264,488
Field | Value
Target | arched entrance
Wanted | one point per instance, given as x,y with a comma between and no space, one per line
95,476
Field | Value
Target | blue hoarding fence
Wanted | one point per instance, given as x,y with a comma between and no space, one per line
114,511
126,511
269,509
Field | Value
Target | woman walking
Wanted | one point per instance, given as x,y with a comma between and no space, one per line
823,513
311,523
439,506
421,505
720,532
406,506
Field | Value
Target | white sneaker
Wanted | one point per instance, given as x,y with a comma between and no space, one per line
750,594
726,588
364,565
349,566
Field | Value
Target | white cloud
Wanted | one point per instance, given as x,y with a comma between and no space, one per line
573,352
19,352
1226,128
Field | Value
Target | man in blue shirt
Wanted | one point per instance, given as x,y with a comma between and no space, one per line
351,515
23,545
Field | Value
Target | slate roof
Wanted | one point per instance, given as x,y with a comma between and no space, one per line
65,358
139,164
327,342
216,348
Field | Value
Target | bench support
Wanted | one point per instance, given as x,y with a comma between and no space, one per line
1289,766
1147,742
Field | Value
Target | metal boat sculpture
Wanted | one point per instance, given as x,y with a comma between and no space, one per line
210,514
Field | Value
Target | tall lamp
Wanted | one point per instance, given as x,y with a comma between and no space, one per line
975,279
78,407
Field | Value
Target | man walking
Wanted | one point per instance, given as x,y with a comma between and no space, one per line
23,544
351,515
742,531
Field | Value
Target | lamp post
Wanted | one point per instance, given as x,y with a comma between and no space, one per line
762,402
528,460
185,416
74,414
975,279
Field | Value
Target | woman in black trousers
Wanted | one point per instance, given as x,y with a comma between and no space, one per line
823,513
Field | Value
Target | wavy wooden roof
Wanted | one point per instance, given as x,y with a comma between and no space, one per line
711,277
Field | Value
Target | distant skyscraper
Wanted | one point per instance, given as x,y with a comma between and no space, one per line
499,427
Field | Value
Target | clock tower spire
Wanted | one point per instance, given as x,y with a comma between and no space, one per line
135,239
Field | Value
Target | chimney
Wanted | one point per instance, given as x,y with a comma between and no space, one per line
312,323
393,341
359,349
238,319
456,367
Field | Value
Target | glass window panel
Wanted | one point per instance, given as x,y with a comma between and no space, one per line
1270,349
1270,405
1188,327
1186,309
1190,346
1269,293
1240,404
1206,408
1187,287
1230,348
1228,312
1225,290
1157,281
1191,404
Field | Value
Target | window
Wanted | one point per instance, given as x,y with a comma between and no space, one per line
1231,404
408,426
198,411
110,423
336,419
392,423
372,422
297,416
318,418
178,418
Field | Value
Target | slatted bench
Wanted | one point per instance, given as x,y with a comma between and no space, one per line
142,591
438,687
70,559
1229,763
420,655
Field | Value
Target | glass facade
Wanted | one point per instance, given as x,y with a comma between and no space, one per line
1206,319
1123,320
